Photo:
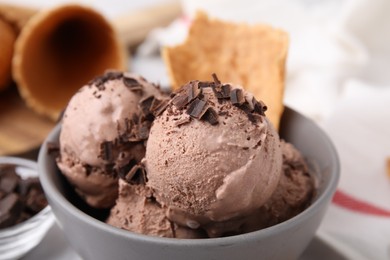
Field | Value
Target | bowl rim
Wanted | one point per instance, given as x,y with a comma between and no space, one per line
326,195
15,229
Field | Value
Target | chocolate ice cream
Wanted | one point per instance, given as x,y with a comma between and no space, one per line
197,168
205,163
103,132
214,165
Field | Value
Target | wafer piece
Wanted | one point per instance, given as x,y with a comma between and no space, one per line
253,56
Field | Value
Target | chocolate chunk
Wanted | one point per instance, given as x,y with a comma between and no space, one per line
196,108
237,96
36,200
10,209
20,198
27,184
210,116
8,179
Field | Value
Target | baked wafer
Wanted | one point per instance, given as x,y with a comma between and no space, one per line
253,56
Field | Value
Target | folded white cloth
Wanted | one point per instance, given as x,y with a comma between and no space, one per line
358,221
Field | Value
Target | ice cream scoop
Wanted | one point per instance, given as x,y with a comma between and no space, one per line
137,211
103,131
212,155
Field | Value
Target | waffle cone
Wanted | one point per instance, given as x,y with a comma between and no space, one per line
58,51
17,16
7,40
12,19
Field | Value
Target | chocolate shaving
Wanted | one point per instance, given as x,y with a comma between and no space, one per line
203,84
124,170
136,175
106,151
210,116
193,91
112,74
258,107
132,84
183,121
143,132
237,96
215,78
101,80
158,106
180,100
146,105
196,108
225,91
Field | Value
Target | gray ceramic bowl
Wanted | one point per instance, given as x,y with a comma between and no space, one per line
93,239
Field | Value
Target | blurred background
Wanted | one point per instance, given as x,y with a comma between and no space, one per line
337,74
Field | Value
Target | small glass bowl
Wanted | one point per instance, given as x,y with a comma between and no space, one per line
18,240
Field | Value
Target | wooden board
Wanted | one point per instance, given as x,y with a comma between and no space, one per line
21,129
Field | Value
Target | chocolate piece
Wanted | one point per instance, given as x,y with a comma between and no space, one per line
158,106
258,107
146,104
136,175
215,78
101,80
20,198
180,100
225,91
9,180
106,151
196,108
10,209
143,132
237,97
35,200
112,74
210,116
193,91
132,84
203,84
183,121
